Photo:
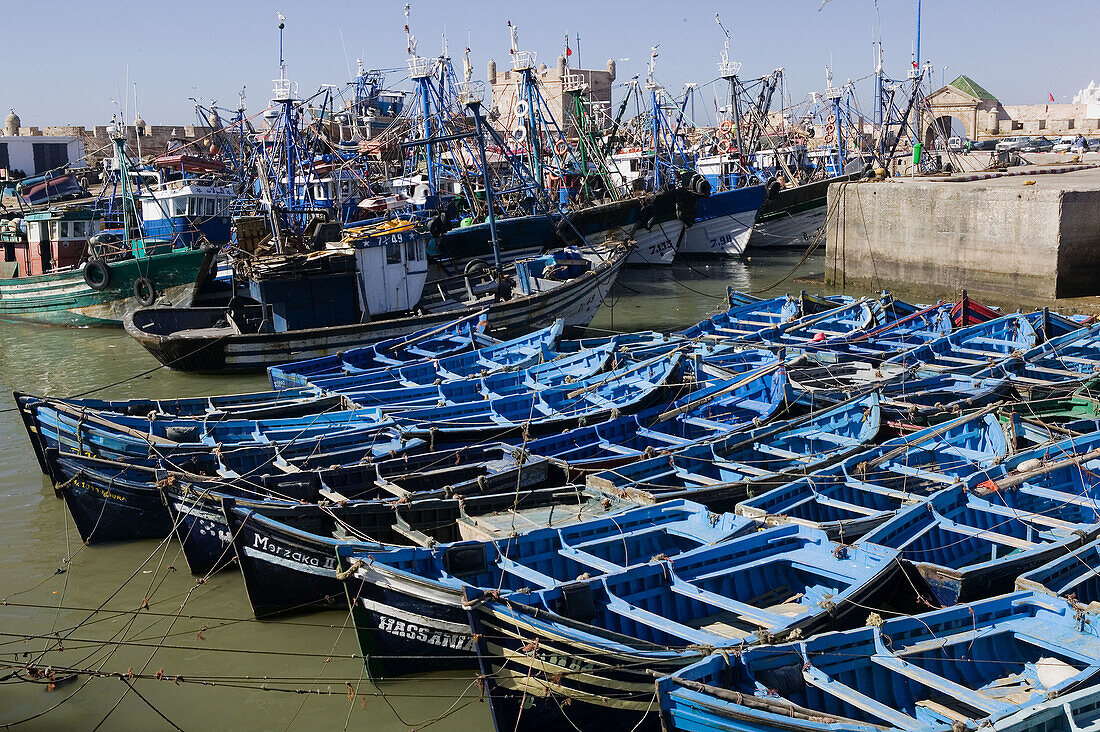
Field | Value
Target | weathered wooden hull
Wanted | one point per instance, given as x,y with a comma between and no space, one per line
223,351
64,298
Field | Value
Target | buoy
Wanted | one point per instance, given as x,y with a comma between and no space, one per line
561,148
522,108
725,127
519,134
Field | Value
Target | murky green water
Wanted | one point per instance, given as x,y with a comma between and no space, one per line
234,672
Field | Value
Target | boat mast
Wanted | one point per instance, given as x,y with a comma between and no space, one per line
655,105
523,62
470,94
833,95
421,71
728,70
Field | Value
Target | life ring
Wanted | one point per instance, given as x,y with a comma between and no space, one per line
97,274
552,180
829,128
519,134
724,145
144,291
725,127
561,147
521,108
832,119
828,137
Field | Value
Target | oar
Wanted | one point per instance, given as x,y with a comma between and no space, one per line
947,427
752,375
617,374
1027,475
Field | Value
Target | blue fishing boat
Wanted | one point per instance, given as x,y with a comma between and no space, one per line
746,318
434,343
598,397
585,650
407,603
1054,368
964,548
721,407
906,396
1074,576
301,573
965,667
973,348
551,374
720,473
858,494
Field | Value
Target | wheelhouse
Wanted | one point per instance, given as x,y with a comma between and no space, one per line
46,241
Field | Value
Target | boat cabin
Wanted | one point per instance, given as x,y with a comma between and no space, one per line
45,241
188,212
376,270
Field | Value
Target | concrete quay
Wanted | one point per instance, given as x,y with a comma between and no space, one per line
1030,237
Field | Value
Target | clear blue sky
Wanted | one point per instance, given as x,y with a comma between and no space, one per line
65,60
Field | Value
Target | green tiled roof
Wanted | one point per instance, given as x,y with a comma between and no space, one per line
968,86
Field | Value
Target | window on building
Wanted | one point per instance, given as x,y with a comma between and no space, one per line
393,253
4,155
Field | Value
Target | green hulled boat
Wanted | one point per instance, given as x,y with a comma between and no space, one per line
59,267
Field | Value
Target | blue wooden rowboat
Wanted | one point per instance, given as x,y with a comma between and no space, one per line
114,501
407,603
300,574
842,324
906,396
971,349
1054,368
964,667
1074,576
594,399
900,332
547,375
746,318
120,437
521,350
720,473
721,408
585,650
858,494
964,547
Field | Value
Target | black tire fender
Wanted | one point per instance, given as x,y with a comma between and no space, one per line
97,275
144,291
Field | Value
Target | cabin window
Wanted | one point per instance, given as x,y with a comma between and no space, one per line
179,206
410,251
194,206
79,230
64,230
210,204
53,231
393,253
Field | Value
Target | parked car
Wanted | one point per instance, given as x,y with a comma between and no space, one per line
958,144
1037,145
983,144
1011,143
1064,143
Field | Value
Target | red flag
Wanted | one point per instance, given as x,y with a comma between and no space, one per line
568,51
1051,96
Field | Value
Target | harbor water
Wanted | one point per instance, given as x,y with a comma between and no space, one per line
196,655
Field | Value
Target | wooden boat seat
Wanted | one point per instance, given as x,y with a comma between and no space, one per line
943,711
743,611
923,474
778,451
664,437
537,579
933,681
750,470
590,560
831,687
332,495
987,535
636,614
1034,518
844,506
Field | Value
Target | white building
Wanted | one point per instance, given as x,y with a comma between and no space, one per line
36,154
1090,97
